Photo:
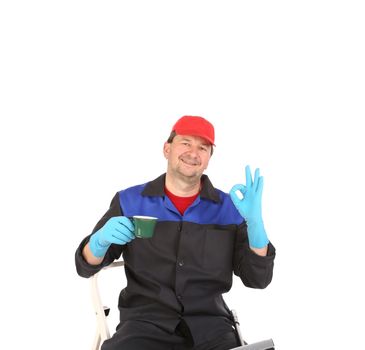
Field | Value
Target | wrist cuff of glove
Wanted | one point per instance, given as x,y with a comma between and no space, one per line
257,237
96,248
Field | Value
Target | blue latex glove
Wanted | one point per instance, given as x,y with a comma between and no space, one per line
117,230
250,207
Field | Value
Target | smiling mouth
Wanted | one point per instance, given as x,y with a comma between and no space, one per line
189,163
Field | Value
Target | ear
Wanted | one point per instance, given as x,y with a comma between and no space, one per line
166,149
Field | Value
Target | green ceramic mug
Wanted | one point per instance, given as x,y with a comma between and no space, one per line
144,226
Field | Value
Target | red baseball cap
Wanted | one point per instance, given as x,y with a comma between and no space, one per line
195,126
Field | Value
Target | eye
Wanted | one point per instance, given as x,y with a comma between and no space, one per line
204,148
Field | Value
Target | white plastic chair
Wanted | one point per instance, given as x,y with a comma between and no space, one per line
102,329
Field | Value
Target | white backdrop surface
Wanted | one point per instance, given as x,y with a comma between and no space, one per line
89,91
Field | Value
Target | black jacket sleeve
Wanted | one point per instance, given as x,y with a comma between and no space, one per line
83,268
254,270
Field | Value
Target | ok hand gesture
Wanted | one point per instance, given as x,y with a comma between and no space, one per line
250,207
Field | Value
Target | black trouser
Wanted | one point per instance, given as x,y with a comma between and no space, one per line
136,335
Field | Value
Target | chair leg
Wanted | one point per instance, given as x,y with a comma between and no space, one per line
97,341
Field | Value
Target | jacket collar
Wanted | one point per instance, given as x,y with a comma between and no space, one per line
156,188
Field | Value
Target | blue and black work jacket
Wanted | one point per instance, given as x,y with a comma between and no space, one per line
183,270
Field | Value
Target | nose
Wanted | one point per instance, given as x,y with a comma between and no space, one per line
194,150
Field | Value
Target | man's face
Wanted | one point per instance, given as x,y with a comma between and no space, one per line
188,156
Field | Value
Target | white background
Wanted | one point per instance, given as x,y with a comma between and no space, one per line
89,93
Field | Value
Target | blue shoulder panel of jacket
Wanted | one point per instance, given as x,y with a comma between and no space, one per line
202,211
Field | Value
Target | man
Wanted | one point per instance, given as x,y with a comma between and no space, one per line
173,298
